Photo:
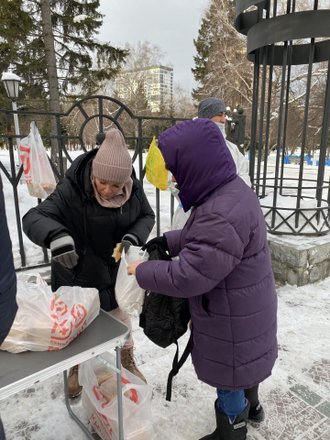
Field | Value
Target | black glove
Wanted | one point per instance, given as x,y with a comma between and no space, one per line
63,251
157,242
107,299
129,240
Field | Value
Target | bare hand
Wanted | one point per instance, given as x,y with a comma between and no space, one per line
131,268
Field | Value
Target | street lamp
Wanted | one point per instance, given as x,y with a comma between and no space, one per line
11,83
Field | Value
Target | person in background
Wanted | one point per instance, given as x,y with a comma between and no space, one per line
224,269
98,207
8,305
214,109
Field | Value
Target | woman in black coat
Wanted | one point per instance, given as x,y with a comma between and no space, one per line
98,204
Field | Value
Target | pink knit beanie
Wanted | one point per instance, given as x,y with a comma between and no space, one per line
113,162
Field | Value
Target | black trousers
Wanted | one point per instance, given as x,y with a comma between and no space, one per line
252,395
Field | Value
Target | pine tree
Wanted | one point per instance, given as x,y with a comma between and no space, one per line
55,51
203,45
15,26
82,62
221,67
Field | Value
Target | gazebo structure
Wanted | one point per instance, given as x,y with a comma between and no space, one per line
289,150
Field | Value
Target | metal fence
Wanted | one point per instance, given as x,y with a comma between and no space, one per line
290,48
76,130
77,127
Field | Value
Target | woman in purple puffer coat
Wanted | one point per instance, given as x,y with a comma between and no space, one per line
224,268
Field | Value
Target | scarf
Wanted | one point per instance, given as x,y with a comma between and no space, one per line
119,199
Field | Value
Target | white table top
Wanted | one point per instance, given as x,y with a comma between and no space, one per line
20,370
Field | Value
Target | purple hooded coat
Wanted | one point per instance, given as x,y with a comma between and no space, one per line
224,264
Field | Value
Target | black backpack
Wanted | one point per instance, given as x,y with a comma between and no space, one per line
165,319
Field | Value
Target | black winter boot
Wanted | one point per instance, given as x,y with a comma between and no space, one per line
227,431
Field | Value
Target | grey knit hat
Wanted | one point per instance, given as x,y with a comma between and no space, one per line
113,162
210,107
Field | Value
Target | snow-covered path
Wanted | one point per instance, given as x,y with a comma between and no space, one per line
296,397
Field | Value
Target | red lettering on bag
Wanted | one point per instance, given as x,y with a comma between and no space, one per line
67,324
25,159
99,396
58,306
79,313
103,429
97,393
133,394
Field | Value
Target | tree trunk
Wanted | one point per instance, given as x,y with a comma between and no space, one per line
54,97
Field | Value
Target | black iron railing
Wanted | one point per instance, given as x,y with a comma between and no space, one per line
76,130
290,49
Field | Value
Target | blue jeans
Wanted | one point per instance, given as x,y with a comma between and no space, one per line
231,403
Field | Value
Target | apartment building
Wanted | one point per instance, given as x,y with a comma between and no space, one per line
156,81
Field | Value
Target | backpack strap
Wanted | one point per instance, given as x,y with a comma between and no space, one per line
177,364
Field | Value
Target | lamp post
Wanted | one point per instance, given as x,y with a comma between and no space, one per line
11,83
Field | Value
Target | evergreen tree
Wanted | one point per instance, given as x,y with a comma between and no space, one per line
203,45
221,67
16,24
82,62
52,46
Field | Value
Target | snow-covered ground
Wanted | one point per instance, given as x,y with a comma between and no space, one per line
296,397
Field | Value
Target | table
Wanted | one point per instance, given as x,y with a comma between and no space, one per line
21,370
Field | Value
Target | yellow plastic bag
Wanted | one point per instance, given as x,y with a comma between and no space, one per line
156,173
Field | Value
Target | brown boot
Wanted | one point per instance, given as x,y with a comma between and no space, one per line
128,362
74,388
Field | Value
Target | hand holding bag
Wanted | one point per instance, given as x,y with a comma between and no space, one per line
129,295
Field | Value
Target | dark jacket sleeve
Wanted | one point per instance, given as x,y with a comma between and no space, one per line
45,221
8,306
146,219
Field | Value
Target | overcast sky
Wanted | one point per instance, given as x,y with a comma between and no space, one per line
170,24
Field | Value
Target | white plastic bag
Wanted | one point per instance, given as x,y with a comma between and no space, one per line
99,400
38,173
129,295
47,320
